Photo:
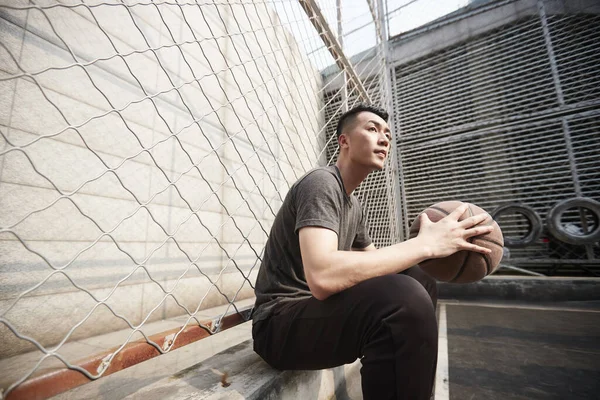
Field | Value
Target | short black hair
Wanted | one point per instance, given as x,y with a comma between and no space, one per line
348,116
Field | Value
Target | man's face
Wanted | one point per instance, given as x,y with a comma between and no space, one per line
367,140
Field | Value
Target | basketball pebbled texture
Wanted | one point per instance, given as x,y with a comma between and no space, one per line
463,266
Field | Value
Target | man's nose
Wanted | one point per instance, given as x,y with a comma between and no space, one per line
384,141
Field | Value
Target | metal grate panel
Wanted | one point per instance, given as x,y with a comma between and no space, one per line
508,116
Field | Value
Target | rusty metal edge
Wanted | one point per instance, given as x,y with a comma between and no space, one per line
48,384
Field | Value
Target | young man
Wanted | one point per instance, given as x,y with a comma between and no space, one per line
326,296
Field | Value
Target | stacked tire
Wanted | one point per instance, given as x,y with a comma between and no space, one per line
554,223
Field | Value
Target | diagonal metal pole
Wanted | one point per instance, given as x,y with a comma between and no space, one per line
318,20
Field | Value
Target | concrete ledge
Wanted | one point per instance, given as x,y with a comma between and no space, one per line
249,377
530,289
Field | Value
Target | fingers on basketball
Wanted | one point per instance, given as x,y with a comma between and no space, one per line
476,220
478,230
482,248
458,212
478,249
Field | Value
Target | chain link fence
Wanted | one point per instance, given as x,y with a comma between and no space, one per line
145,150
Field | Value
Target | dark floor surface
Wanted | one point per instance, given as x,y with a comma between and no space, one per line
498,353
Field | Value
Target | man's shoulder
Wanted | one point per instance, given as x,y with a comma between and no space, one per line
318,183
317,175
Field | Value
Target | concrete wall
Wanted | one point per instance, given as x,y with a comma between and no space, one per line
121,165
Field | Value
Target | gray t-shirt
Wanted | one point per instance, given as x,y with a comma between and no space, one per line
316,199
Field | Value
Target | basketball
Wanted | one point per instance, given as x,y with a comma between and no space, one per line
463,266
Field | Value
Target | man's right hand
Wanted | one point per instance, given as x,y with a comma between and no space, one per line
449,235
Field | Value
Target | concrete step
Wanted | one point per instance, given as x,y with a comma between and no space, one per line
239,373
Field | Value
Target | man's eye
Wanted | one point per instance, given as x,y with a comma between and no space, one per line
372,128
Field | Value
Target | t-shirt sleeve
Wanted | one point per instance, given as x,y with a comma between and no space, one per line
318,202
362,238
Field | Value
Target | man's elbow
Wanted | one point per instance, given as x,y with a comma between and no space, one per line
318,286
320,294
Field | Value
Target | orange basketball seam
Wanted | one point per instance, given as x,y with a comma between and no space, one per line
490,241
440,210
488,264
434,211
462,267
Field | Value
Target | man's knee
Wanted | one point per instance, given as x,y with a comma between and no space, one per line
431,286
400,292
401,307
429,283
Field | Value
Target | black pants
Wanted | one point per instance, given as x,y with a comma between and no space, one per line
389,321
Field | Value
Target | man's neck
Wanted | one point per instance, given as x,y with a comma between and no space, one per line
352,174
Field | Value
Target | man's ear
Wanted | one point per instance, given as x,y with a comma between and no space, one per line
343,141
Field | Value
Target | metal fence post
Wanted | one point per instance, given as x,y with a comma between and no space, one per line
340,36
564,121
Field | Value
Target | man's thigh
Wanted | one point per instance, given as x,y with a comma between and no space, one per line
313,334
308,334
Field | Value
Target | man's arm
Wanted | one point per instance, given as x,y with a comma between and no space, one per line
329,270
